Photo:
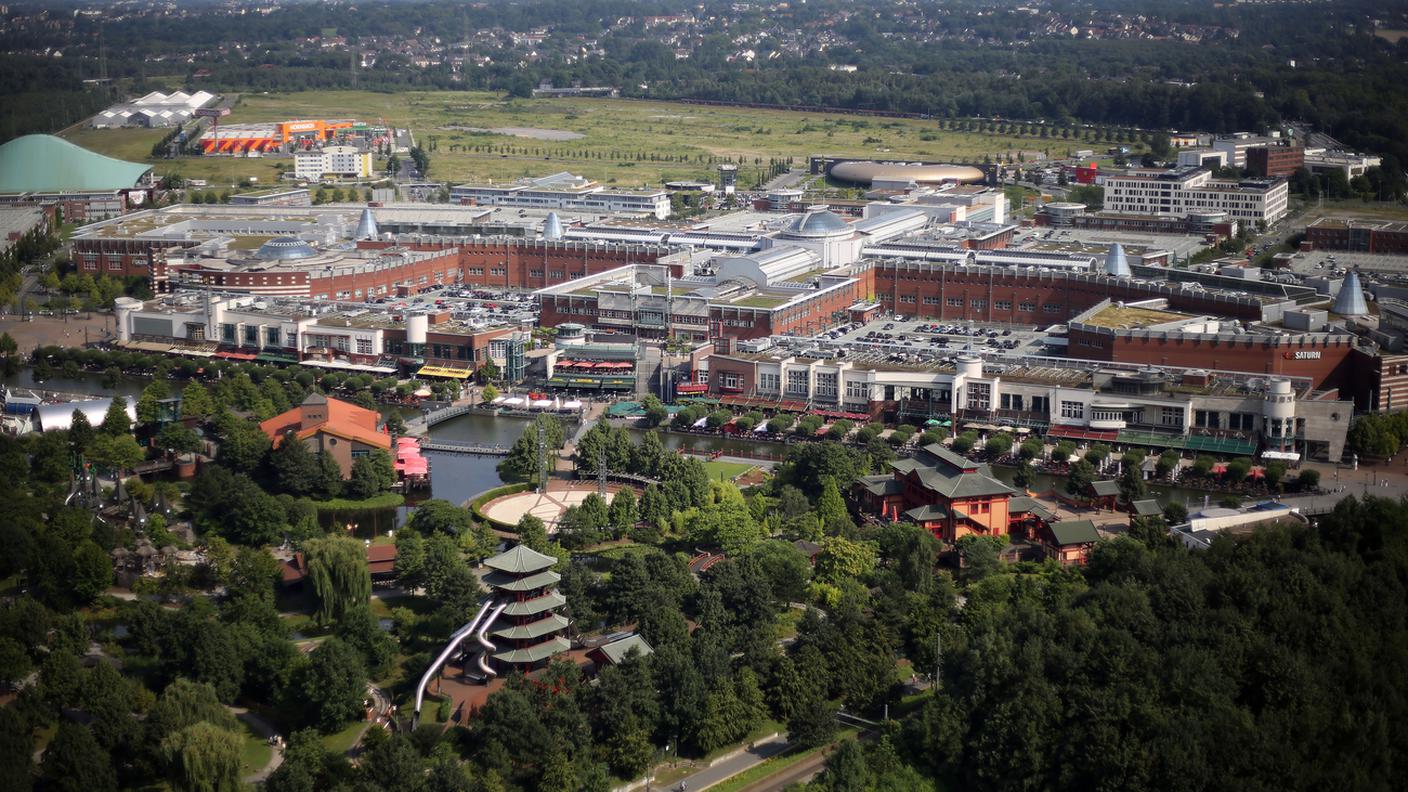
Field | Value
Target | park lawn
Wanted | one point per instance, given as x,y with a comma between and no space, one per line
341,742
255,752
726,471
688,134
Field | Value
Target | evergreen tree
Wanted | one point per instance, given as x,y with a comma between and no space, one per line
116,422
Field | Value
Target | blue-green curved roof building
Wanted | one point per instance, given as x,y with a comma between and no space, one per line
48,164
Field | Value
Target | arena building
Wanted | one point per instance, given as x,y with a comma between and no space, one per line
354,338
899,174
1208,411
43,170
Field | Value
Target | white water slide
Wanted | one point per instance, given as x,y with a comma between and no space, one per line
485,644
455,640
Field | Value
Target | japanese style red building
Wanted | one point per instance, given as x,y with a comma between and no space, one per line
949,495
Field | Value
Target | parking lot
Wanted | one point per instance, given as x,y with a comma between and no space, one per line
468,304
1325,262
926,339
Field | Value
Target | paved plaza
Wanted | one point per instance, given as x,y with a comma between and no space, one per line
547,506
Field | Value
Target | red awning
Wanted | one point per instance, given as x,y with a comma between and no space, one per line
1081,433
235,355
837,414
692,387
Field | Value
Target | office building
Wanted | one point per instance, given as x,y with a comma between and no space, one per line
1186,190
1275,161
332,162
565,191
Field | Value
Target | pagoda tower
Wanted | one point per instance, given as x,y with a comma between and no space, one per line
529,630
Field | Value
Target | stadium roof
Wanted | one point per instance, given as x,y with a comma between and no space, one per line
44,163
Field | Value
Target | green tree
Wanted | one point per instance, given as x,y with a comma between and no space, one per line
296,468
842,559
440,516
177,438
116,422
195,401
410,560
92,571
371,475
328,690
203,758
118,453
1132,486
980,554
1079,479
75,762
831,509
149,405
623,514
337,569
80,433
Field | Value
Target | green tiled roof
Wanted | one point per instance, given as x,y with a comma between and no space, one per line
520,559
1073,532
44,163
1105,487
548,601
1146,508
550,624
535,652
881,485
504,581
926,513
1023,504
616,651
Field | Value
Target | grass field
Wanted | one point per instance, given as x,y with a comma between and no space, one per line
726,471
255,752
682,136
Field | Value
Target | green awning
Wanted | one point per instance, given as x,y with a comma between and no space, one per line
271,357
933,422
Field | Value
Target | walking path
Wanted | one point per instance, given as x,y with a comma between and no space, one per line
264,729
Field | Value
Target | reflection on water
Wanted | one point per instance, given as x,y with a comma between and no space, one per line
1043,482
91,384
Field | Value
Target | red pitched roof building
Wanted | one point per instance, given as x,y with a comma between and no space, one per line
342,430
949,495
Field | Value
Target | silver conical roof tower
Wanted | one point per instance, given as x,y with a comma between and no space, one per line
552,226
1116,264
1350,300
366,227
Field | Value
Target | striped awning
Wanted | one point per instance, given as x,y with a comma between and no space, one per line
444,371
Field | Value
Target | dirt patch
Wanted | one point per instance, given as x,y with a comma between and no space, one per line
535,133
54,330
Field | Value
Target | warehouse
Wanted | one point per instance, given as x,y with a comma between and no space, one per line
154,110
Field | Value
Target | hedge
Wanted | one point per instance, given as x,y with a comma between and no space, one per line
498,492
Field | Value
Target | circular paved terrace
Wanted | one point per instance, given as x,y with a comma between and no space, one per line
547,506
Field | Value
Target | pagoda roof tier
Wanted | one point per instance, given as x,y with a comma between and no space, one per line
553,599
519,560
536,652
504,581
550,624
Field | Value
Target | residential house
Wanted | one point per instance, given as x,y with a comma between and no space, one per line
342,430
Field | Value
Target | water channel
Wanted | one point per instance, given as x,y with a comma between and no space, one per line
459,477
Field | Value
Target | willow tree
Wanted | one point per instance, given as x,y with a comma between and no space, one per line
203,758
337,568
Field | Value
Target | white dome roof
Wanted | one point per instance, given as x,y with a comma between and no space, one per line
823,223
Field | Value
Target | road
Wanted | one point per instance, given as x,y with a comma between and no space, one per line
799,773
733,765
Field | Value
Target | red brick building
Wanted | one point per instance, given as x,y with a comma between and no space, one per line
1361,236
1275,161
998,294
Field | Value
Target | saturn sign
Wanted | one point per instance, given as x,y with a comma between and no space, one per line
1303,354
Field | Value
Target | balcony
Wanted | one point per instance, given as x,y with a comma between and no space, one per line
1107,423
